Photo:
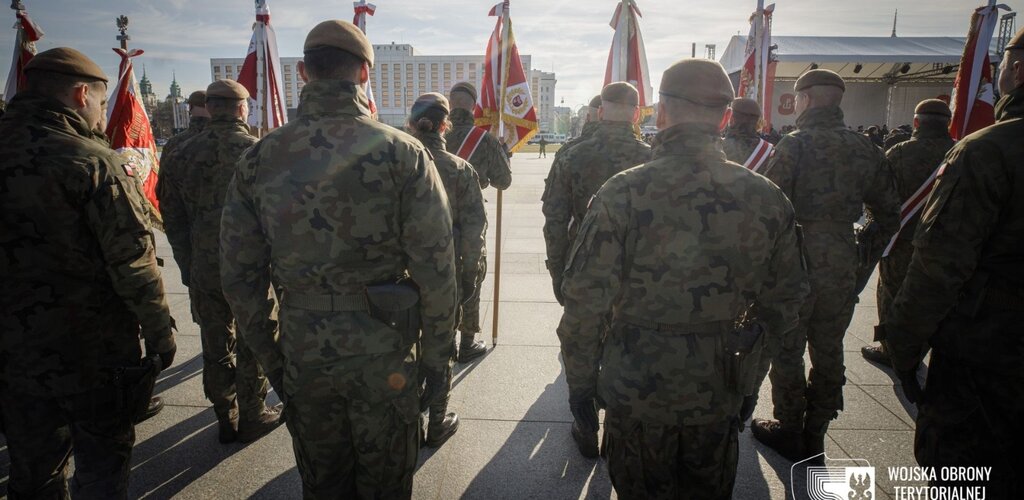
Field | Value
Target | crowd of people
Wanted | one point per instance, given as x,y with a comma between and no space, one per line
337,259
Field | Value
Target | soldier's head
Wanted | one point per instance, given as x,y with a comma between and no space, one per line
197,104
429,114
694,91
336,50
1011,69
462,96
746,113
620,102
227,99
932,113
592,108
818,88
70,77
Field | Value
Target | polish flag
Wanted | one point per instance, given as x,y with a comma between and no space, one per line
362,10
973,99
757,77
24,48
627,59
261,75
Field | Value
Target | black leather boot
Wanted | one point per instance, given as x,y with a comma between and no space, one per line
785,439
470,349
441,428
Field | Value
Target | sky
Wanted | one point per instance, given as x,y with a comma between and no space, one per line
569,37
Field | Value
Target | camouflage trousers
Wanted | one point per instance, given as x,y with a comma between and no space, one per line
232,378
648,461
351,439
42,433
471,309
891,271
824,317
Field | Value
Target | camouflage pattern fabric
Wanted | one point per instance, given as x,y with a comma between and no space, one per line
577,175
664,461
912,162
739,142
489,160
895,137
80,279
659,253
830,174
588,128
963,296
327,204
195,126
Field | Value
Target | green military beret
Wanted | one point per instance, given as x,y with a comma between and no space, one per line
698,81
340,35
464,87
430,100
620,93
933,107
66,61
816,77
227,89
1017,42
197,99
746,106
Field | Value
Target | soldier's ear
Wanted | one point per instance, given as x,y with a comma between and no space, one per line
364,73
301,67
80,95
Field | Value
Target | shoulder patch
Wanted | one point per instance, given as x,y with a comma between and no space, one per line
129,170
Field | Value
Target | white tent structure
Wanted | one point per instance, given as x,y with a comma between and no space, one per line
886,76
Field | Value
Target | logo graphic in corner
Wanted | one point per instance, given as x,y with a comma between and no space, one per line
836,481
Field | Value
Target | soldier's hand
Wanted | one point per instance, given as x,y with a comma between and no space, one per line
167,357
747,410
585,412
911,387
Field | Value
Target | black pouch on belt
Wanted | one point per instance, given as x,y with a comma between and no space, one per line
744,347
396,304
135,386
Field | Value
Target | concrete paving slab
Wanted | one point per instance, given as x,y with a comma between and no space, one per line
520,383
861,411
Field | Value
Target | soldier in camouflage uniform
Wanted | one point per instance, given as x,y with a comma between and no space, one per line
330,209
831,174
610,147
741,137
428,121
198,118
588,126
912,163
491,162
232,378
660,259
80,282
963,295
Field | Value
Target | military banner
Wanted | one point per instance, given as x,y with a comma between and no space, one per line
627,59
261,75
363,9
24,48
973,99
758,72
128,129
505,106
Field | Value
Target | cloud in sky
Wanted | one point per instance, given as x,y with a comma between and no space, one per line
570,37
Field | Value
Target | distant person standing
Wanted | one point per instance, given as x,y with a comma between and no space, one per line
543,148
198,118
742,143
347,219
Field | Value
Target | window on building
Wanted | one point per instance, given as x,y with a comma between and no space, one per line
216,69
238,68
383,68
287,68
472,66
433,66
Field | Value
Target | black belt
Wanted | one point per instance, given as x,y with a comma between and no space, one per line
325,302
710,327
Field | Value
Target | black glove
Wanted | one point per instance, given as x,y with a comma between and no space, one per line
747,410
585,412
556,283
911,387
166,358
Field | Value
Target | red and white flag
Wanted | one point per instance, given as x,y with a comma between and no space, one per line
757,76
505,106
973,99
627,59
129,131
362,10
24,48
261,74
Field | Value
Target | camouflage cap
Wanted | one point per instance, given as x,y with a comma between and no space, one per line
227,89
197,99
620,93
816,77
1017,42
746,106
933,107
464,87
340,35
698,81
66,61
430,100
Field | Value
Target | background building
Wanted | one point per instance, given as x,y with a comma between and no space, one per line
399,76
542,88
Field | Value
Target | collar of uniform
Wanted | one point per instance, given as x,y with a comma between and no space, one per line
611,130
333,97
1011,105
461,117
930,131
825,117
694,139
745,130
198,122
37,108
432,140
227,123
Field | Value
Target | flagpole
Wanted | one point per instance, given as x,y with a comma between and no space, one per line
501,132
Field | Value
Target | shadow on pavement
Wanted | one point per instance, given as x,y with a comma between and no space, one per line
287,484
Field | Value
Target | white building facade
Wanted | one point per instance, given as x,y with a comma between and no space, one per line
399,76
542,88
